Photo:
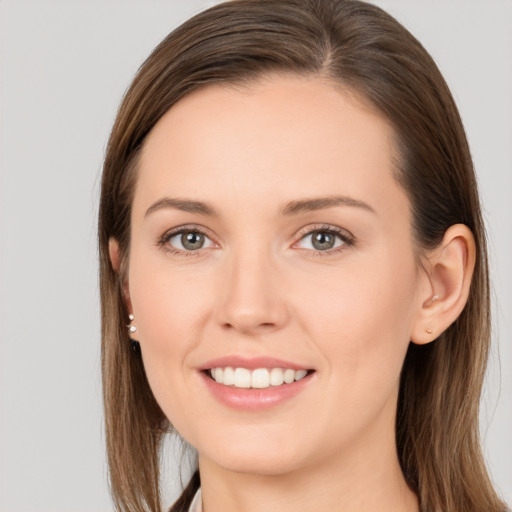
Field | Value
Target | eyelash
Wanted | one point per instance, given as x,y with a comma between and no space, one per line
347,239
163,241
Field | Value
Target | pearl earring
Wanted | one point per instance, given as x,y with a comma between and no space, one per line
131,328
428,330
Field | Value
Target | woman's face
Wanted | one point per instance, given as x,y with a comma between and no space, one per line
269,233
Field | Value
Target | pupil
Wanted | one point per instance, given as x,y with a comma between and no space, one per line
322,240
192,240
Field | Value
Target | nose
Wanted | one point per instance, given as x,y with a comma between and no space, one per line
253,298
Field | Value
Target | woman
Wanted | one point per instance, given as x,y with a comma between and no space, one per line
290,229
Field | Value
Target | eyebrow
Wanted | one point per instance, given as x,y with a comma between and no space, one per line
319,203
186,205
291,208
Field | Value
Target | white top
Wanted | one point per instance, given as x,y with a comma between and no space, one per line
197,502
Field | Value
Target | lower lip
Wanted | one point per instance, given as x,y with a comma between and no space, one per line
252,399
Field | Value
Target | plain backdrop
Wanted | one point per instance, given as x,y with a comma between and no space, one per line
64,66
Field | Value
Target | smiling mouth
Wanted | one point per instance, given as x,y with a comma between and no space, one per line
259,378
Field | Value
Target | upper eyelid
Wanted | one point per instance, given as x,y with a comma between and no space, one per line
325,227
187,227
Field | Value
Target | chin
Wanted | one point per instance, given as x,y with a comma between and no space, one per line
257,464
264,456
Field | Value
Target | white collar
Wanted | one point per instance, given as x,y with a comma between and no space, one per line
197,502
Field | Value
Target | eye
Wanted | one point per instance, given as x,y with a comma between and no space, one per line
326,239
186,240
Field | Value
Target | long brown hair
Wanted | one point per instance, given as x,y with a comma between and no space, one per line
360,47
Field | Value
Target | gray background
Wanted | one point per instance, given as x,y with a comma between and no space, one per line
64,66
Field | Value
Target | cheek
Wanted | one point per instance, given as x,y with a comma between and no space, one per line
167,300
169,313
362,322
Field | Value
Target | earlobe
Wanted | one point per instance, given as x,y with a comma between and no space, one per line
448,270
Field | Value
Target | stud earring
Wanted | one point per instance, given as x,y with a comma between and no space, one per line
131,328
428,330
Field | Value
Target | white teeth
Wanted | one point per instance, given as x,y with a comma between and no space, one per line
300,374
228,377
242,378
276,377
260,378
289,375
218,375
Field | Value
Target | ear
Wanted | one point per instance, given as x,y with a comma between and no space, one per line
113,252
447,279
115,259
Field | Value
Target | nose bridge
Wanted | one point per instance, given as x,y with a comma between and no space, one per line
252,298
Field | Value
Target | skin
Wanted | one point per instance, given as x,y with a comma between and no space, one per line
259,287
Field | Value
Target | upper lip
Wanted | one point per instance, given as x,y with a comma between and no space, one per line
251,363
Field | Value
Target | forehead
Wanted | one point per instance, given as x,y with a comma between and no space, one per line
297,135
